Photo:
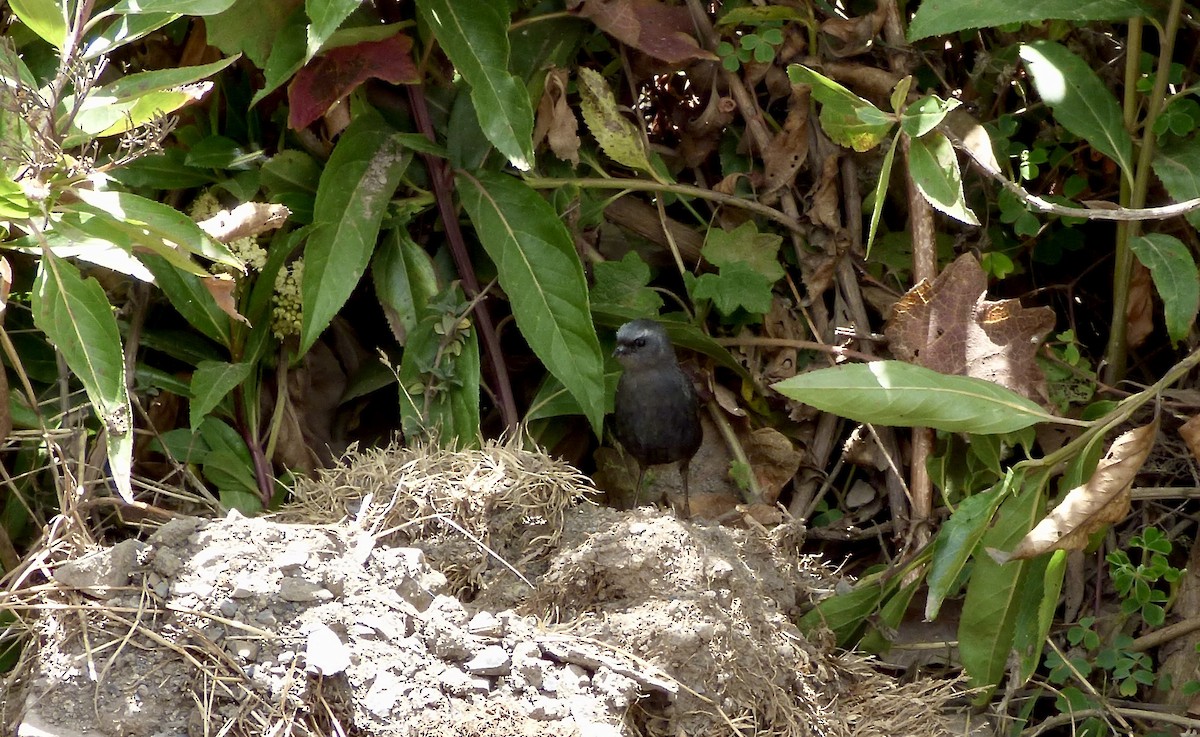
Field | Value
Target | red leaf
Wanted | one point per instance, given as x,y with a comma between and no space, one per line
333,75
660,30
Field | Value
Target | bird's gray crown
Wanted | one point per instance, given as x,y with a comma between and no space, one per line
643,342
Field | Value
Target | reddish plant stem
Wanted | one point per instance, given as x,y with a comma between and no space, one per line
443,186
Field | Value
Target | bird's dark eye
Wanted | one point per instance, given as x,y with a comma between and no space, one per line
639,343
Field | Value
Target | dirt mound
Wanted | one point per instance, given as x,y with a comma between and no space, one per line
635,622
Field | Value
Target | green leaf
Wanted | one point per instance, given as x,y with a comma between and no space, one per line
138,99
187,294
1080,101
737,285
539,269
885,176
183,7
625,283
287,54
926,114
324,18
987,628
904,395
943,17
842,111
356,186
619,138
46,18
957,539
126,29
160,228
162,171
440,401
1175,279
759,251
75,315
844,614
211,381
934,169
1178,166
229,466
405,280
475,37
1038,610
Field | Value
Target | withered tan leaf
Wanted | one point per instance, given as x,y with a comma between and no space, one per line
1190,432
555,119
1102,501
222,288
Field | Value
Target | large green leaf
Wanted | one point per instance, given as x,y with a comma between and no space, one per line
475,37
898,393
540,271
183,7
126,29
324,18
1175,279
211,381
405,280
187,294
934,169
352,197
1080,101
1178,166
987,628
160,228
46,18
75,315
941,17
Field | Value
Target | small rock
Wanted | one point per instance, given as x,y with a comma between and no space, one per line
266,616
101,573
484,623
547,710
167,561
298,589
228,608
493,660
244,649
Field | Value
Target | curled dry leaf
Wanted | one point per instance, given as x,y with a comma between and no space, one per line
555,119
775,461
222,287
1102,501
856,34
1140,314
1190,432
245,221
6,280
727,400
788,150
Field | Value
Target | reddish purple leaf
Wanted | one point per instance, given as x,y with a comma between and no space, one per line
335,74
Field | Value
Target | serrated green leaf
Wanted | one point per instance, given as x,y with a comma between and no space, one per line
183,7
287,54
1173,271
324,18
230,467
475,37
187,294
211,381
759,251
737,285
904,395
618,137
160,228
625,283
539,269
75,315
942,17
1178,166
358,182
934,169
1080,101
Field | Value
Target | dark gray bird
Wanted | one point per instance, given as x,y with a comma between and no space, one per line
657,417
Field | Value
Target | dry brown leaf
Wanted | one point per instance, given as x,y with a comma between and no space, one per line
727,400
773,459
826,196
967,132
951,327
222,287
6,279
555,120
1140,314
652,27
1190,432
246,220
856,34
788,150
1102,501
